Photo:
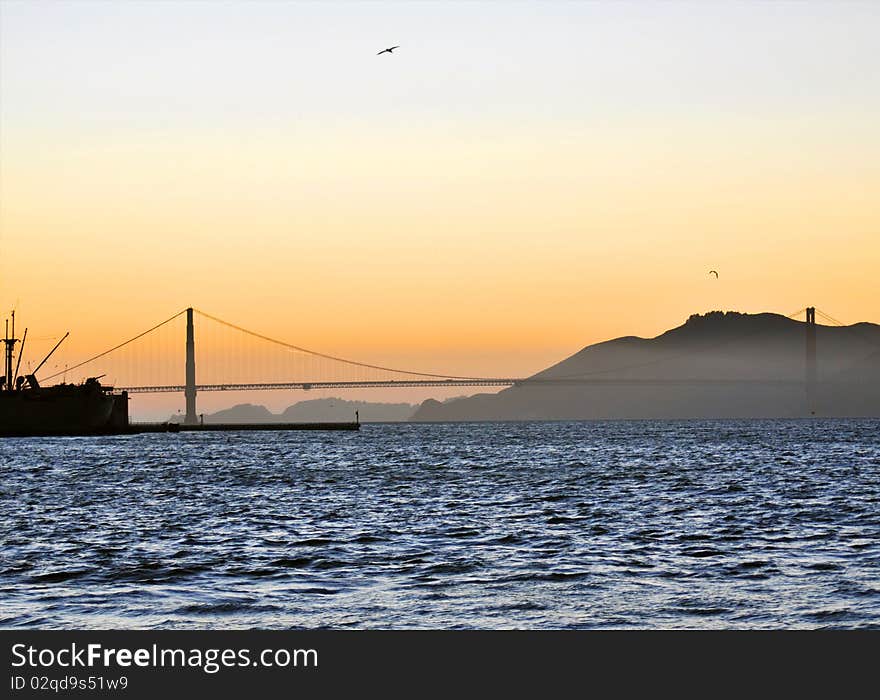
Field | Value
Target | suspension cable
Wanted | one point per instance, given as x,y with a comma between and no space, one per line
332,357
402,371
852,329
107,352
829,317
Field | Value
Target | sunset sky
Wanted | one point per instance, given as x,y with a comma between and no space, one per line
516,181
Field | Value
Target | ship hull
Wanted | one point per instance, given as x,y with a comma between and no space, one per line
64,410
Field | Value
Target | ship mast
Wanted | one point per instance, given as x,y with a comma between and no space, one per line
18,363
10,350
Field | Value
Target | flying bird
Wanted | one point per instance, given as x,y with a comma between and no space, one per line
713,272
387,50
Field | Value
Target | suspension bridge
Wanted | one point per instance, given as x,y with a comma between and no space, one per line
149,362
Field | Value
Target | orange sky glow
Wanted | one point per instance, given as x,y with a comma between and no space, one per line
485,236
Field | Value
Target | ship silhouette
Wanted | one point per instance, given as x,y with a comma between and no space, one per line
29,409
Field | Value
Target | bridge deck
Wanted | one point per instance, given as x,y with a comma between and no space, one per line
401,384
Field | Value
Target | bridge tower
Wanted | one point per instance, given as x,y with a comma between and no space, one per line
810,371
190,390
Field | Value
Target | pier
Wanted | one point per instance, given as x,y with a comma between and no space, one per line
135,428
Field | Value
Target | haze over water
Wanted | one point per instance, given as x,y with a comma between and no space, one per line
697,524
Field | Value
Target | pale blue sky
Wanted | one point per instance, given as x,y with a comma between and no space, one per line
163,63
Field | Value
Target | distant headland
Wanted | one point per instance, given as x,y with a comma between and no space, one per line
313,411
715,365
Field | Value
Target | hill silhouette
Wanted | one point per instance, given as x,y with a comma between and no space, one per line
313,410
760,350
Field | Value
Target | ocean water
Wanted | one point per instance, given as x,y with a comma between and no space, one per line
641,524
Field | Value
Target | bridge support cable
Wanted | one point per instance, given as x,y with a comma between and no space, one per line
113,349
850,328
230,360
858,332
314,353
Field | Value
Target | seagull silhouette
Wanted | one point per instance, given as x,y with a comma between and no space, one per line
387,50
712,272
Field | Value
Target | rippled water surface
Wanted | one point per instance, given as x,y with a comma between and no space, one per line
532,525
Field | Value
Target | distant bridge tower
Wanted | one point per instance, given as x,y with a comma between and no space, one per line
810,372
190,390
